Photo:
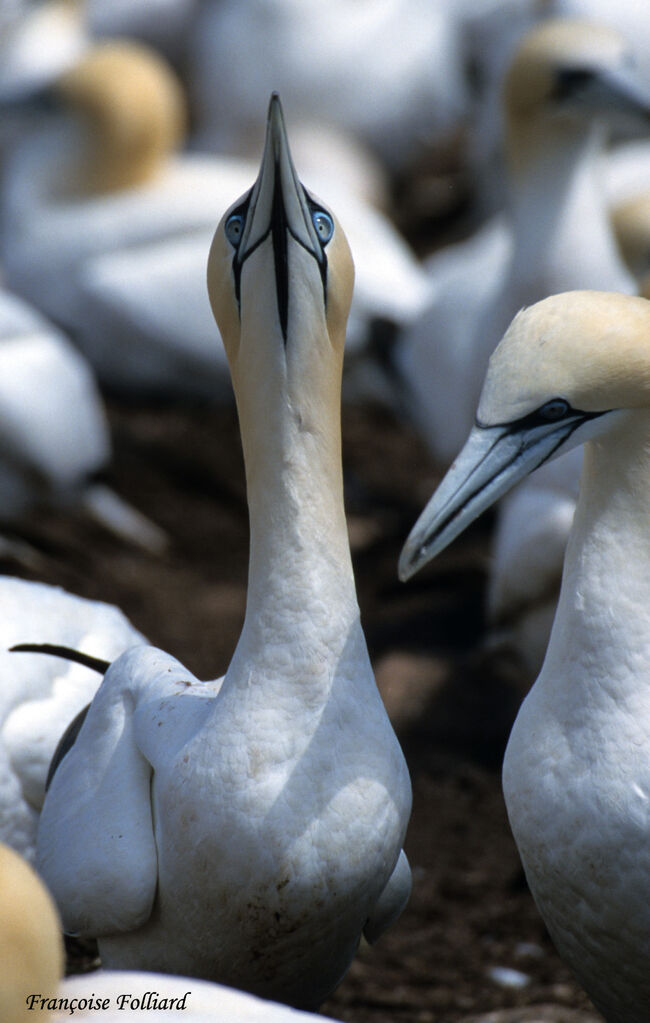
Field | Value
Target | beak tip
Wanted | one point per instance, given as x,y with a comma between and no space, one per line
408,563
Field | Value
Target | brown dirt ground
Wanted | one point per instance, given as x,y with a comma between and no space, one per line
452,704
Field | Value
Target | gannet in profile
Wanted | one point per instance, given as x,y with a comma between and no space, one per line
31,947
567,80
248,830
576,368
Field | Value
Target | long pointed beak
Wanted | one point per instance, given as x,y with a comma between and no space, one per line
278,207
492,461
620,91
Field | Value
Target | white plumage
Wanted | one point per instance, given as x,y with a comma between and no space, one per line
575,368
40,696
247,830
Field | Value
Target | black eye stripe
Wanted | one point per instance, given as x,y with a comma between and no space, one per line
556,410
279,248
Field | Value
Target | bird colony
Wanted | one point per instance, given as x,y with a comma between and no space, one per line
288,212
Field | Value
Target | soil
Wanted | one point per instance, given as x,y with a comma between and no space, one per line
471,918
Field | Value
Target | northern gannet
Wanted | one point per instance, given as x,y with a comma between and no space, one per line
98,169
576,368
490,34
150,327
249,830
31,947
107,227
567,79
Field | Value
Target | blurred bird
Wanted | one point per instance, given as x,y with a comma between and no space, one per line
40,696
107,228
99,171
54,436
31,947
388,74
567,80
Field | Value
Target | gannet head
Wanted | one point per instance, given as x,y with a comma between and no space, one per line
564,370
131,109
280,278
568,72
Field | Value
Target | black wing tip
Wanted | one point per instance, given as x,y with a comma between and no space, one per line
65,652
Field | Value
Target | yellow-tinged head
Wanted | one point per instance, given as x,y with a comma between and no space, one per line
280,279
564,370
133,107
31,946
589,348
564,74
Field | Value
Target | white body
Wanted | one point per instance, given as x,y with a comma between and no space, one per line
570,370
41,695
53,429
248,830
576,773
388,73
561,238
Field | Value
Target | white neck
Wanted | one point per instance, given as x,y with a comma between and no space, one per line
563,236
600,639
301,591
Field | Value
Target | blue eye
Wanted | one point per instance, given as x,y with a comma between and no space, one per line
324,225
554,409
234,227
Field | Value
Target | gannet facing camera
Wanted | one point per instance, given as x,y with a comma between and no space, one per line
576,368
248,830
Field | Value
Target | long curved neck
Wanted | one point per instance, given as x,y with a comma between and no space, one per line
561,224
301,591
600,636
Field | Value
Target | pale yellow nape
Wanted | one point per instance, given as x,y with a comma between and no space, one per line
531,79
31,946
590,348
134,108
530,86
